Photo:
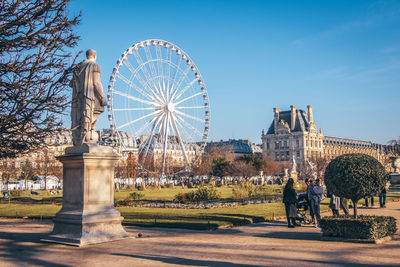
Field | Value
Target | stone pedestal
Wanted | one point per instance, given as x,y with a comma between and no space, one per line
395,178
88,215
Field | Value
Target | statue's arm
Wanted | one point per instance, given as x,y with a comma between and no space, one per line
99,88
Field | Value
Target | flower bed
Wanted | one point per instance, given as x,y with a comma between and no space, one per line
218,203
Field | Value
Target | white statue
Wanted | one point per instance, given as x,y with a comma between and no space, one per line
293,165
88,100
312,167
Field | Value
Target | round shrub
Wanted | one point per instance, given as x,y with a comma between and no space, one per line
355,176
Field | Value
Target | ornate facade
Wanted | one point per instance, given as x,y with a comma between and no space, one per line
294,133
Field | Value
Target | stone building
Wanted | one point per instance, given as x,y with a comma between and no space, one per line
294,133
291,134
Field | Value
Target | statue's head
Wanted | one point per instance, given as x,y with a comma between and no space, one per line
91,54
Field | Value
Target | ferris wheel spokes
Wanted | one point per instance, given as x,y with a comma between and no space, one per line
194,107
183,130
180,140
139,119
177,96
160,103
175,87
134,86
187,98
189,116
187,124
147,142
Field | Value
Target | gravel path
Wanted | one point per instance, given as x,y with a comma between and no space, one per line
263,244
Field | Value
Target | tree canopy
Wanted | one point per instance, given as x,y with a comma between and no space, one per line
35,40
355,176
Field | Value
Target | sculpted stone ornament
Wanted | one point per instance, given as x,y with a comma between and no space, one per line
396,164
88,100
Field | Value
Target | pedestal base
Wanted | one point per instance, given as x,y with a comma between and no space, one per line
78,233
88,215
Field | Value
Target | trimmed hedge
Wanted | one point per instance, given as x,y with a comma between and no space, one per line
363,227
355,176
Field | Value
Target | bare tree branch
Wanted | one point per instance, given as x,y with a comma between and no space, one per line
35,68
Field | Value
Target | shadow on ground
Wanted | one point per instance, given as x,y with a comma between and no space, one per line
292,235
16,249
184,261
266,259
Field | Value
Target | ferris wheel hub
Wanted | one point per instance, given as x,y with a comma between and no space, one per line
170,107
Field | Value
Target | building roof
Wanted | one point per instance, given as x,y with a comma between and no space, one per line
236,146
331,140
301,125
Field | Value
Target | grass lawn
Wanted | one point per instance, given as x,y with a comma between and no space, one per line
149,194
176,218
170,193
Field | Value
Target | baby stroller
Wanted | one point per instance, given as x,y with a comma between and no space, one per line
302,206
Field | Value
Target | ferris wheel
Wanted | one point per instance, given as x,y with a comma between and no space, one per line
157,94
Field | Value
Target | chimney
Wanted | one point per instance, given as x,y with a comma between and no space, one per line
276,117
292,117
310,114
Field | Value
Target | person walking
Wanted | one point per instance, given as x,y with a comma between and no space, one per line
334,204
372,202
290,199
318,196
344,204
382,195
309,189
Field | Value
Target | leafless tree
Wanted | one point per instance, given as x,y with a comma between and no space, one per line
394,141
204,165
47,165
27,171
272,167
313,168
242,169
35,67
8,170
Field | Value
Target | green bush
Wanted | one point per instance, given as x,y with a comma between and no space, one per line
239,192
141,187
206,193
355,176
136,195
184,197
244,190
203,193
16,193
172,186
363,227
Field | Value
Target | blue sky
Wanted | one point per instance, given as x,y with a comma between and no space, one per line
341,57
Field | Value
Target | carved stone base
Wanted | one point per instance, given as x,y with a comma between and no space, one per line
88,215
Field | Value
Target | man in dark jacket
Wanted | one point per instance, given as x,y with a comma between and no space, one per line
290,199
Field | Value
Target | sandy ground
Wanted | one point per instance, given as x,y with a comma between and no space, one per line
263,244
